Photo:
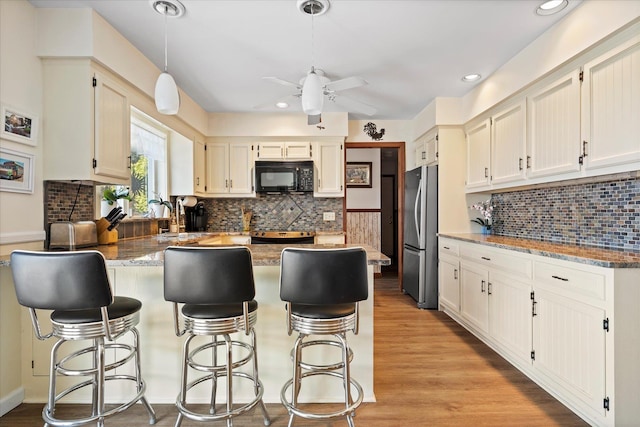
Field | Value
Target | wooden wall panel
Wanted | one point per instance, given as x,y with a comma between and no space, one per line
364,227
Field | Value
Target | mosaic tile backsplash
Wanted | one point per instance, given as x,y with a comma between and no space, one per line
605,214
299,212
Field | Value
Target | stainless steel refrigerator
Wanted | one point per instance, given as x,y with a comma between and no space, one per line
420,252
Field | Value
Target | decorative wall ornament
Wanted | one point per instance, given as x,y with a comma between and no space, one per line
16,171
371,130
19,126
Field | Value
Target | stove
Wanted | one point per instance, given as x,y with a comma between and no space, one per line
282,237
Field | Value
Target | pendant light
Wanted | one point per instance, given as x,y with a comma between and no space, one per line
166,93
312,90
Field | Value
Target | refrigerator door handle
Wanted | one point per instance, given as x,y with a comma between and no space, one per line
415,210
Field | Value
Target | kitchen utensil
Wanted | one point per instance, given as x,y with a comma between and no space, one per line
113,213
116,221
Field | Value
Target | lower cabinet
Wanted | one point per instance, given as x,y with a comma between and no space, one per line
572,328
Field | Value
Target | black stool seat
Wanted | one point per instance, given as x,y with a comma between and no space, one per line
314,311
121,307
216,311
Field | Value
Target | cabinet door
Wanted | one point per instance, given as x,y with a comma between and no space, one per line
420,152
240,168
510,315
199,167
330,170
431,149
112,130
569,345
297,150
449,291
554,127
474,306
270,150
508,144
478,155
611,107
217,168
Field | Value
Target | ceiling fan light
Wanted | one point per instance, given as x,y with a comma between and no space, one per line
166,94
312,96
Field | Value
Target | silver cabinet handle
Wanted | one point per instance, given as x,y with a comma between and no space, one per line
455,274
482,286
489,288
485,258
486,172
560,278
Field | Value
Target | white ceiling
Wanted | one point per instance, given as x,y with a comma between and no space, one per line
409,51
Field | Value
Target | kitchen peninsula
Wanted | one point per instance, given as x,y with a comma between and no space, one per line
136,270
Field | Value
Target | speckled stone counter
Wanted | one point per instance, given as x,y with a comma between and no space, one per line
591,255
148,251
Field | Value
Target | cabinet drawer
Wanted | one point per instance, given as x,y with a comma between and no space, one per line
448,247
565,278
501,260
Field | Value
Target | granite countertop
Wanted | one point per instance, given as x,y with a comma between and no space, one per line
592,255
148,251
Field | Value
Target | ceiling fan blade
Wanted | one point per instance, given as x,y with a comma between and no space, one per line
355,106
347,83
282,82
314,120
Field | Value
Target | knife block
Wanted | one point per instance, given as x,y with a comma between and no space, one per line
105,237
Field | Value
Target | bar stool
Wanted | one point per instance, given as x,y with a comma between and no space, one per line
321,289
217,289
76,286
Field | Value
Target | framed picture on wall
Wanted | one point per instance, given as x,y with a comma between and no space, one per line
16,171
19,126
358,174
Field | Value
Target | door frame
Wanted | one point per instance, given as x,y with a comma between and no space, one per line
400,146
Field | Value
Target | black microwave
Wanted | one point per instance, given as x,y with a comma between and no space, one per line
284,177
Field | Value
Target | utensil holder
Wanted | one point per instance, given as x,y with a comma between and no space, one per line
105,237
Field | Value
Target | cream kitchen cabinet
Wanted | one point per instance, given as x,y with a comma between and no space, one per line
611,108
283,150
87,126
553,132
329,239
229,169
508,144
188,167
448,275
474,305
426,149
571,327
479,156
329,167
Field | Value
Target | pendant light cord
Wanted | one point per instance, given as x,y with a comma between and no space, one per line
166,13
312,38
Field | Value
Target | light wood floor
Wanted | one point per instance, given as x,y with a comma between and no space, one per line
428,372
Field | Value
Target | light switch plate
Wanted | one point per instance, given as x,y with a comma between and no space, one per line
329,216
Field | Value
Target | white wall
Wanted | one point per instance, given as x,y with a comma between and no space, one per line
365,198
21,215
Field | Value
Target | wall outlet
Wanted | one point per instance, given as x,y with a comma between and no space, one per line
329,216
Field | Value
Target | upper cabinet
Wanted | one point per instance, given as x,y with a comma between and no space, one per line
329,164
508,144
554,127
87,130
479,155
229,169
188,167
283,150
611,107
583,123
426,149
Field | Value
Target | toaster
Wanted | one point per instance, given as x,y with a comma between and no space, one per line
71,235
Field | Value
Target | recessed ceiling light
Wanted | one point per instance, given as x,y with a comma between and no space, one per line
551,6
471,77
282,104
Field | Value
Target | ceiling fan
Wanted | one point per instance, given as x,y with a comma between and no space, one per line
315,87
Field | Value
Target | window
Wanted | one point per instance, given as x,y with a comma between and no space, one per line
148,163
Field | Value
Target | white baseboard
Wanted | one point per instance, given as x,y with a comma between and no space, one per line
12,400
